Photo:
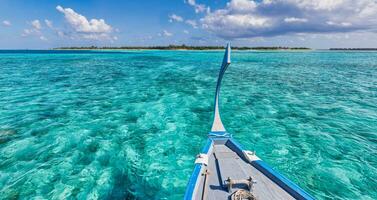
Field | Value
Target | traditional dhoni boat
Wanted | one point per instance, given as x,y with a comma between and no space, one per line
224,170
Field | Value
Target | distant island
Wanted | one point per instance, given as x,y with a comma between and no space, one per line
179,47
353,49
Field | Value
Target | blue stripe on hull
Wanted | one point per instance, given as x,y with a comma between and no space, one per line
195,175
192,183
282,181
279,179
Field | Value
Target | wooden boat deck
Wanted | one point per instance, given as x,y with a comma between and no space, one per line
223,162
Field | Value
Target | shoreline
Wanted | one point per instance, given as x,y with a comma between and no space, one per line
115,49
181,48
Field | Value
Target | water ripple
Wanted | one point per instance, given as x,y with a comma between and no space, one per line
127,125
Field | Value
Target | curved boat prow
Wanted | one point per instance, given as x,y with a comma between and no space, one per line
217,125
224,170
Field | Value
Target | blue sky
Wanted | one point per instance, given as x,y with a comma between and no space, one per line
26,24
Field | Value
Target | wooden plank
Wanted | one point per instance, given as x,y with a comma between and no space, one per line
223,163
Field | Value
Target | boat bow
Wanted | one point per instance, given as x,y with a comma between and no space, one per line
224,170
217,125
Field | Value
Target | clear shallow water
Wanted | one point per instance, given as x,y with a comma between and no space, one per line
128,125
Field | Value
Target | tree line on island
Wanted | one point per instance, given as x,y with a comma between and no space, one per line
353,49
182,47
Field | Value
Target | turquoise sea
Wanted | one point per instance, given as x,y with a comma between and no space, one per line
128,124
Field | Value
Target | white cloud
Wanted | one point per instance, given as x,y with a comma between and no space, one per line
26,32
34,33
251,18
94,29
167,33
36,24
49,23
235,20
81,24
331,23
60,33
226,23
192,23
43,38
318,4
345,24
242,5
96,36
175,18
34,30
295,20
369,8
198,7
186,32
6,23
